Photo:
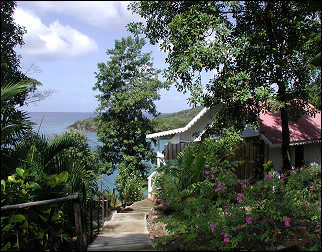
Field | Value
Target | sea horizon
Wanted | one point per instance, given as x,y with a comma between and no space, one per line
55,123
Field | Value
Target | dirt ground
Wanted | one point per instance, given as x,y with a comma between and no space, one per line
155,228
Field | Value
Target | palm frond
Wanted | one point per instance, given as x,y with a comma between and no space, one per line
10,90
57,145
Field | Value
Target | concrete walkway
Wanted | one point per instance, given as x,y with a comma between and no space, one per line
125,231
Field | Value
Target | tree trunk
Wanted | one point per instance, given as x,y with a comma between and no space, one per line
285,141
274,41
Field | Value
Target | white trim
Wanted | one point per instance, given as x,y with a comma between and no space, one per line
297,143
179,130
150,183
305,142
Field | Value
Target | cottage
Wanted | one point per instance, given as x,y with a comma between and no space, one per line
305,138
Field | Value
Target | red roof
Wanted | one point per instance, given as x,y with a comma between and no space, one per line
306,128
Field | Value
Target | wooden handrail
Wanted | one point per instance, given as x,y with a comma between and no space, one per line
81,232
39,203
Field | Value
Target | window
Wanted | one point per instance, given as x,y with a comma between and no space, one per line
299,156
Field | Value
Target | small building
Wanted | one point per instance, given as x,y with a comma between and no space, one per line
305,138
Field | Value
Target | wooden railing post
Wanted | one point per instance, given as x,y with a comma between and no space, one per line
98,217
114,198
102,207
81,236
91,218
84,212
81,231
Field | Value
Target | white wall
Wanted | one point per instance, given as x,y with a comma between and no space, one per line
312,153
275,155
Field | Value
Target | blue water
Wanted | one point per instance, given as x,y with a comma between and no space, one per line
55,123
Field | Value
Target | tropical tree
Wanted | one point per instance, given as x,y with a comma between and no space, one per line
128,86
16,87
11,37
40,169
12,128
68,152
258,53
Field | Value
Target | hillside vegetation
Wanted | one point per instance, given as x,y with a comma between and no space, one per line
163,122
88,124
175,120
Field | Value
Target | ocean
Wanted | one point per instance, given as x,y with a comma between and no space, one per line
55,123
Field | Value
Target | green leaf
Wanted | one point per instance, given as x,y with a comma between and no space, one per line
64,237
47,211
44,219
6,247
34,186
20,172
17,218
12,178
55,217
7,227
62,177
3,185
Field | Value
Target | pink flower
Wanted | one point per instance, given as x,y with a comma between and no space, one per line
238,180
214,170
283,203
217,189
287,221
206,166
168,203
269,176
212,176
305,204
226,240
212,227
206,172
281,176
249,220
224,234
225,211
243,186
239,196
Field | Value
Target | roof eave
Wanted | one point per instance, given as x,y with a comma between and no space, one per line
170,133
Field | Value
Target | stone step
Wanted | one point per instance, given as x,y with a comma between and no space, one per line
121,241
125,231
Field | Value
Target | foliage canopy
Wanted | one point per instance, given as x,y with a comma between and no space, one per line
259,54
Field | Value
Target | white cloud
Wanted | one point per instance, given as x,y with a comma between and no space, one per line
55,41
105,14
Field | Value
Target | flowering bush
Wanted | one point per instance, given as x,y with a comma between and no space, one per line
210,214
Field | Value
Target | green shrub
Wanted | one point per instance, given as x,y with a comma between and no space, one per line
130,188
207,213
42,227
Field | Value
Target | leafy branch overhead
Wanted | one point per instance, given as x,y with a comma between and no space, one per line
258,53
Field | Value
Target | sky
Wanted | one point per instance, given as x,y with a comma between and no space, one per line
63,45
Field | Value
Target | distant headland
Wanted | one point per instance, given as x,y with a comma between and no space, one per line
163,122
